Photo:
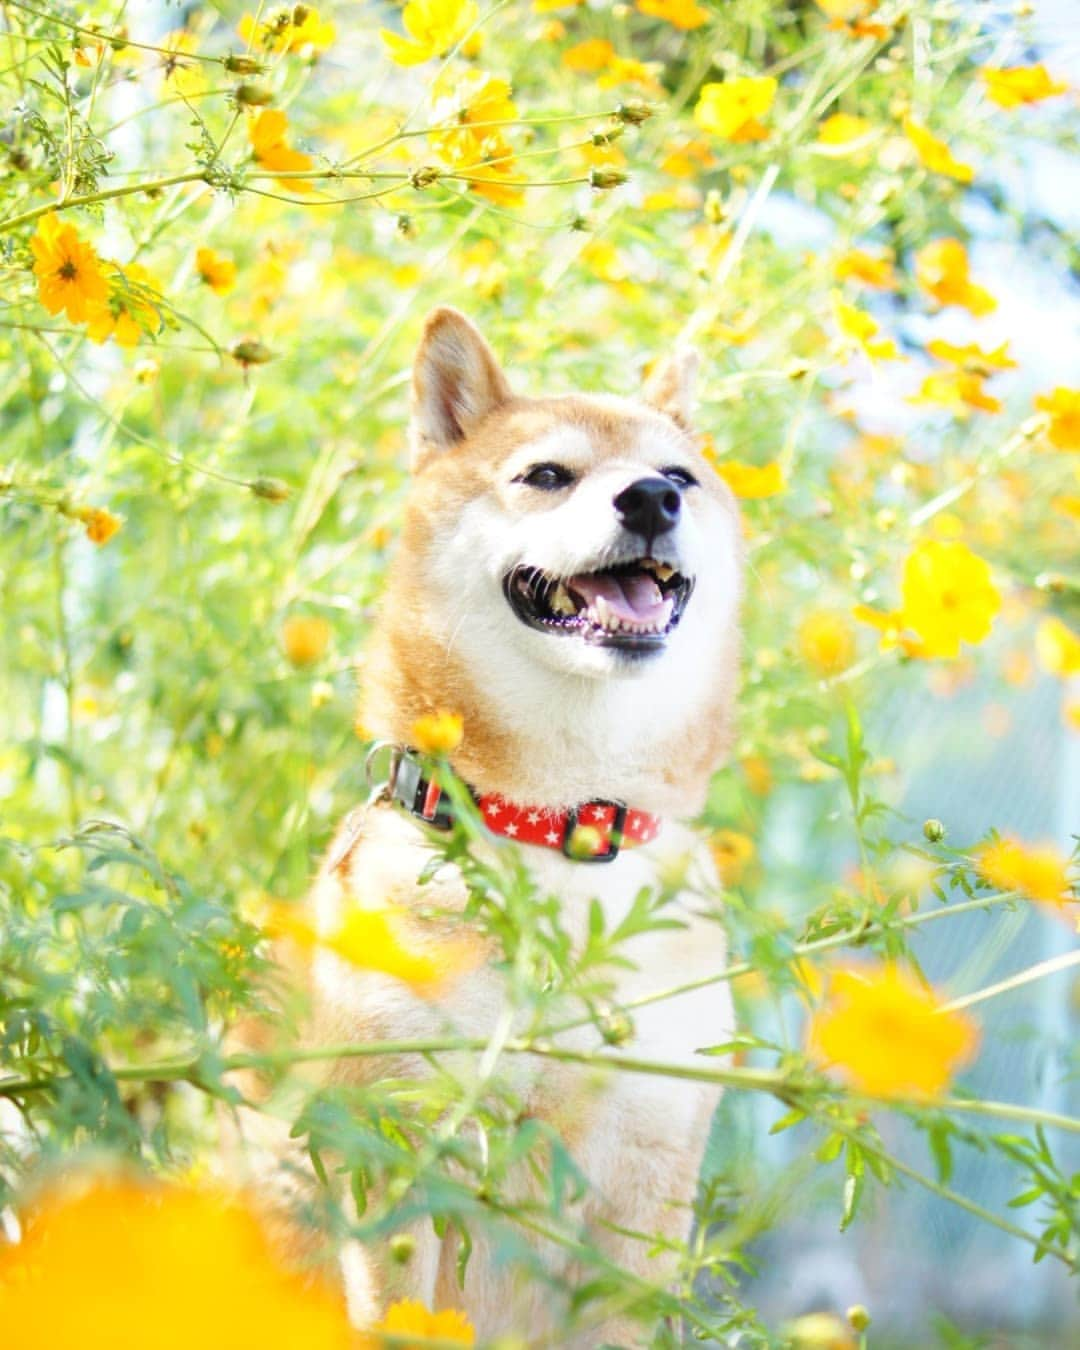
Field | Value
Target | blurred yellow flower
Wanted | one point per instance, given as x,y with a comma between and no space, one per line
750,481
1063,405
942,270
1058,648
687,159
846,10
382,940
870,269
586,58
971,357
100,524
438,733
467,101
732,110
305,638
68,270
112,1262
843,133
268,145
888,1035
409,1318
819,1331
685,14
947,595
934,154
758,773
215,271
732,852
1011,86
185,78
957,390
826,642
297,29
1038,871
434,27
861,330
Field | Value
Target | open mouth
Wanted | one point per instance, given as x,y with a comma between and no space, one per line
633,606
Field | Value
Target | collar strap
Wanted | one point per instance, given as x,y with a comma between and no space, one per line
593,831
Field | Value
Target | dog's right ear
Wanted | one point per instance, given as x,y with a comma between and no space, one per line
456,381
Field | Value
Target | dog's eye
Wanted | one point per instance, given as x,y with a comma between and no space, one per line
546,477
680,477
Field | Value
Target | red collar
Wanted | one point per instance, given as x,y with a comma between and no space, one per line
593,831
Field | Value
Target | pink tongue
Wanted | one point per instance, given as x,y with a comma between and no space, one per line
636,598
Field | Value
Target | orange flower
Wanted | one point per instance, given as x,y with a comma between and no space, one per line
409,1318
942,270
438,733
68,270
934,154
826,642
130,310
1063,405
1039,872
731,110
100,524
113,1262
587,57
1011,86
268,145
215,271
683,14
305,638
889,1036
468,102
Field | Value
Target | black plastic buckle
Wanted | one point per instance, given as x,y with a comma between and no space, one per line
409,787
615,833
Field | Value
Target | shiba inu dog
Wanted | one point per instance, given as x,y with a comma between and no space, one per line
567,582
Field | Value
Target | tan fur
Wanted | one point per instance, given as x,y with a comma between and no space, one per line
638,1140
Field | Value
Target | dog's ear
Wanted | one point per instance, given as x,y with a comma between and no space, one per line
670,387
456,381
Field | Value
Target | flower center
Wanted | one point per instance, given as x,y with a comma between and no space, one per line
68,270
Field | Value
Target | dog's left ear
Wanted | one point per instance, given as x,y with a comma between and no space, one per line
670,387
456,381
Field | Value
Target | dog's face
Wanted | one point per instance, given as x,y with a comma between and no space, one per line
569,572
587,533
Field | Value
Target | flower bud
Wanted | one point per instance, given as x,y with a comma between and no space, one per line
858,1317
606,178
423,177
607,136
616,1027
934,831
250,95
402,1248
250,352
242,65
715,210
269,489
634,111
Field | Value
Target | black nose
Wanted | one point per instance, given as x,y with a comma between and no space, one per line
649,507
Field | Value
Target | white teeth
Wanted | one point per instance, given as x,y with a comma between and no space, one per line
604,616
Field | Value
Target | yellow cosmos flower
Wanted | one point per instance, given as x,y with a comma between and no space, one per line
861,330
943,271
270,149
683,14
751,481
185,78
870,269
733,852
1058,648
382,940
100,524
1038,871
1011,86
438,733
298,30
1063,405
972,357
467,102
585,58
68,270
934,154
947,596
732,110
112,1262
843,134
215,271
960,391
888,1036
409,1318
434,27
305,638
826,642
130,310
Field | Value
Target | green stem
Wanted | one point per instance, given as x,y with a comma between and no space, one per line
106,194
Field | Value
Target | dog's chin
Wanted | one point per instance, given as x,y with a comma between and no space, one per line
615,620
